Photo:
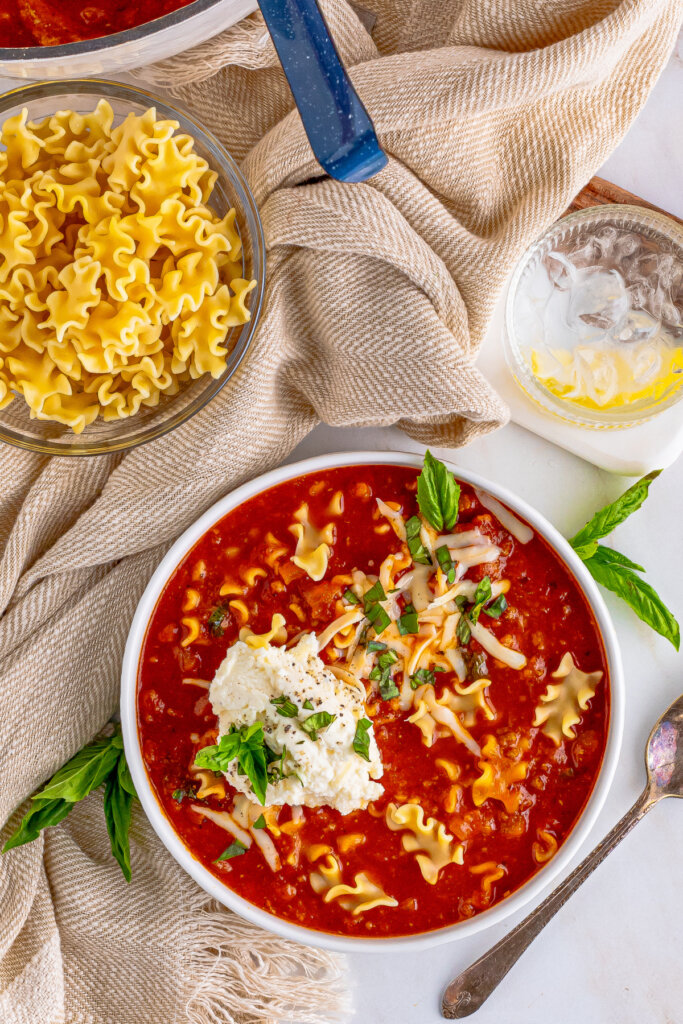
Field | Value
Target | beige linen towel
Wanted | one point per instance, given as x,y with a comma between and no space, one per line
494,114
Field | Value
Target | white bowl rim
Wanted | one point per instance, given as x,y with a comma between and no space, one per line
532,888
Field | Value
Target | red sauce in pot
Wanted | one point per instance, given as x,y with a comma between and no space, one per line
54,22
547,616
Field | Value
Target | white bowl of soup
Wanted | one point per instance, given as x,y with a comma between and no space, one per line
367,716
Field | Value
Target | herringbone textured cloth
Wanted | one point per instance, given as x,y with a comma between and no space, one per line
494,115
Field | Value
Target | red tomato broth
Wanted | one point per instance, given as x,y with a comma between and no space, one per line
547,616
56,22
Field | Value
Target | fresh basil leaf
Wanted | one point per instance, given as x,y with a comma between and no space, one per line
438,495
252,761
284,706
218,757
443,557
417,549
118,803
610,556
483,591
236,849
85,771
422,677
638,594
408,622
462,630
376,645
497,607
379,618
387,658
316,723
387,687
216,619
373,595
179,795
349,596
461,601
361,740
308,704
40,815
260,822
608,518
125,779
248,745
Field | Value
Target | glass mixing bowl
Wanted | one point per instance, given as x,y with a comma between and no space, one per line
594,317
231,190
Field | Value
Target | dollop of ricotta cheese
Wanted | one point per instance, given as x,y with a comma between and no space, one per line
322,771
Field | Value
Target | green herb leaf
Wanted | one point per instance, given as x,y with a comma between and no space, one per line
461,601
39,816
361,741
497,607
248,745
236,849
387,658
376,645
260,822
316,723
388,688
216,619
85,771
407,622
308,704
373,595
609,517
349,596
462,630
379,618
443,557
476,664
481,596
118,802
179,795
638,594
284,706
417,549
438,494
609,555
422,677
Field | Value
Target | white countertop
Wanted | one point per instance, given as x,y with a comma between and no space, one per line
613,954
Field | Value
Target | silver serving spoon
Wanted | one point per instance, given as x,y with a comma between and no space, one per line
664,763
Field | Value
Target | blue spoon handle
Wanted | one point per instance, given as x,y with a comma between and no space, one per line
337,124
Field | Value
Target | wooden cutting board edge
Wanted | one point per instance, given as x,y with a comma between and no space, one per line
598,191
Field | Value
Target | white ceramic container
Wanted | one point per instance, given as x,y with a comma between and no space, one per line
132,48
527,892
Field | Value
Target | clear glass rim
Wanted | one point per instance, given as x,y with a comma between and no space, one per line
225,163
557,408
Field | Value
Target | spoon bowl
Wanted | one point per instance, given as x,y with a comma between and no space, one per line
664,754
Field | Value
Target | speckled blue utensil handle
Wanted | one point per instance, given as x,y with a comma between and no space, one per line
337,124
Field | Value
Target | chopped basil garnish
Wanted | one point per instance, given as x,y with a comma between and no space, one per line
382,673
308,704
462,630
284,706
497,607
316,723
260,822
361,741
417,549
443,557
236,849
216,619
373,595
388,689
376,645
387,658
440,668
422,677
438,494
481,596
379,618
461,601
476,664
349,596
408,623
180,794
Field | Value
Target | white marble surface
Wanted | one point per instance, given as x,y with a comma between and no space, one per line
613,953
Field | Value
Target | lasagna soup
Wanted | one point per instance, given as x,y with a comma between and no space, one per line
371,701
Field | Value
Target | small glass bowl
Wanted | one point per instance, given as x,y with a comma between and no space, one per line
659,234
230,190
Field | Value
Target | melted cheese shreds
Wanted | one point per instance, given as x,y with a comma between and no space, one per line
492,646
519,530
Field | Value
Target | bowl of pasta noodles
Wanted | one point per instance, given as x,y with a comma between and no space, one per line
372,702
132,267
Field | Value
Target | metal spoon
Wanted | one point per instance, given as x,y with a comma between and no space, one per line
664,763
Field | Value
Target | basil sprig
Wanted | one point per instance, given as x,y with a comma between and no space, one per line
617,572
438,495
102,761
248,745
